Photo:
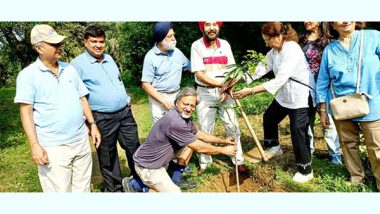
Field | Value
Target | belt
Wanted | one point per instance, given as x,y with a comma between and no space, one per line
169,92
203,86
122,109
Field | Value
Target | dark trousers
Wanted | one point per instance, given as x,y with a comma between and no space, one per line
299,119
119,126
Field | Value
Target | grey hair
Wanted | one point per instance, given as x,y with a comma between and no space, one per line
185,92
38,44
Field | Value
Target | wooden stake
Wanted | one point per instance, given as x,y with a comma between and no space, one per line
237,175
262,152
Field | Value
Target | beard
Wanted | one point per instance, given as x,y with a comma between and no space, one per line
185,116
213,38
169,45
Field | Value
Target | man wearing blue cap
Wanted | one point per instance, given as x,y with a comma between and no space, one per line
161,78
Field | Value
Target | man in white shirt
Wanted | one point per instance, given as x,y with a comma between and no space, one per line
209,58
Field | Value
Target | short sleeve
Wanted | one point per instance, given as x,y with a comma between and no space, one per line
181,133
230,56
186,65
78,68
25,89
148,69
196,58
81,87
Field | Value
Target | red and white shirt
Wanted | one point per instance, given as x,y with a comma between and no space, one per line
210,59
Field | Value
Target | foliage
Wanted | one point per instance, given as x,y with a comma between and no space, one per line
15,49
127,42
135,39
17,52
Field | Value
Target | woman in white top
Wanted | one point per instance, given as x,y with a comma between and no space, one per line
294,88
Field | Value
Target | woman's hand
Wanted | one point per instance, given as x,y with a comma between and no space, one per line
242,93
325,122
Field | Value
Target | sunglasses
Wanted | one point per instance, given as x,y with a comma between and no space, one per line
57,45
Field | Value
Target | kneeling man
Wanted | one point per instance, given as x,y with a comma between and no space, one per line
173,134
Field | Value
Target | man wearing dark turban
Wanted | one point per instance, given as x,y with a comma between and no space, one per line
161,78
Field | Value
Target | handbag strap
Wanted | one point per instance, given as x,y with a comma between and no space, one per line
303,84
359,65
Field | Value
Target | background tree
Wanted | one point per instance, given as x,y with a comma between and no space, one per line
127,42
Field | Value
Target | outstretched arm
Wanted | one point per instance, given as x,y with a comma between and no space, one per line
208,149
213,139
248,91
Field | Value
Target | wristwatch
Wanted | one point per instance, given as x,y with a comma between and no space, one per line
92,122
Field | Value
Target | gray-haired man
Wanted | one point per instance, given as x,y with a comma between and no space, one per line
172,135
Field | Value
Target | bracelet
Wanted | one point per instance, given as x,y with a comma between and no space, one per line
322,110
35,142
92,123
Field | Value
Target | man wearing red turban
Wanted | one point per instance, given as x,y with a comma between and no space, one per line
209,58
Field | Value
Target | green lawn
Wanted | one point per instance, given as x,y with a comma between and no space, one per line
19,174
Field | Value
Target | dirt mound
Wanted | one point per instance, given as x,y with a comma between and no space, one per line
262,180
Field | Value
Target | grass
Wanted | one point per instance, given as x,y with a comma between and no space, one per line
19,174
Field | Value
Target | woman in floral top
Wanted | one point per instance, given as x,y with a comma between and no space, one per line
313,41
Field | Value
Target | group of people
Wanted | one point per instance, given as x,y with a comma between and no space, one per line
90,88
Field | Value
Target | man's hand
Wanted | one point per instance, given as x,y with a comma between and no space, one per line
227,90
242,93
39,154
325,122
229,141
229,150
223,97
95,135
168,105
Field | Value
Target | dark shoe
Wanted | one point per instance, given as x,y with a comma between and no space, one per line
188,170
186,184
243,169
126,182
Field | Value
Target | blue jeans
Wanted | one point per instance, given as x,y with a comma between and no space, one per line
330,135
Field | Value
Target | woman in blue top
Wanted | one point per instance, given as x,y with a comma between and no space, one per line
339,66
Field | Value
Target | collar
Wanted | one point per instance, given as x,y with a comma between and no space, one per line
93,59
207,44
42,66
157,51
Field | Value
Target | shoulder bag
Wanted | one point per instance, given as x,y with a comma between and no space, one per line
353,105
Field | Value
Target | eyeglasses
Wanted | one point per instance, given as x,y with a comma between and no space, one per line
266,40
57,45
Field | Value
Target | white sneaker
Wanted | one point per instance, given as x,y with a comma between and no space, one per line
300,178
274,151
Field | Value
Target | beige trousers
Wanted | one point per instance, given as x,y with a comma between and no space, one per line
158,179
157,110
348,132
69,168
206,114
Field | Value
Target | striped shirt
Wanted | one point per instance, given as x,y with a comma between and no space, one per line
211,59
